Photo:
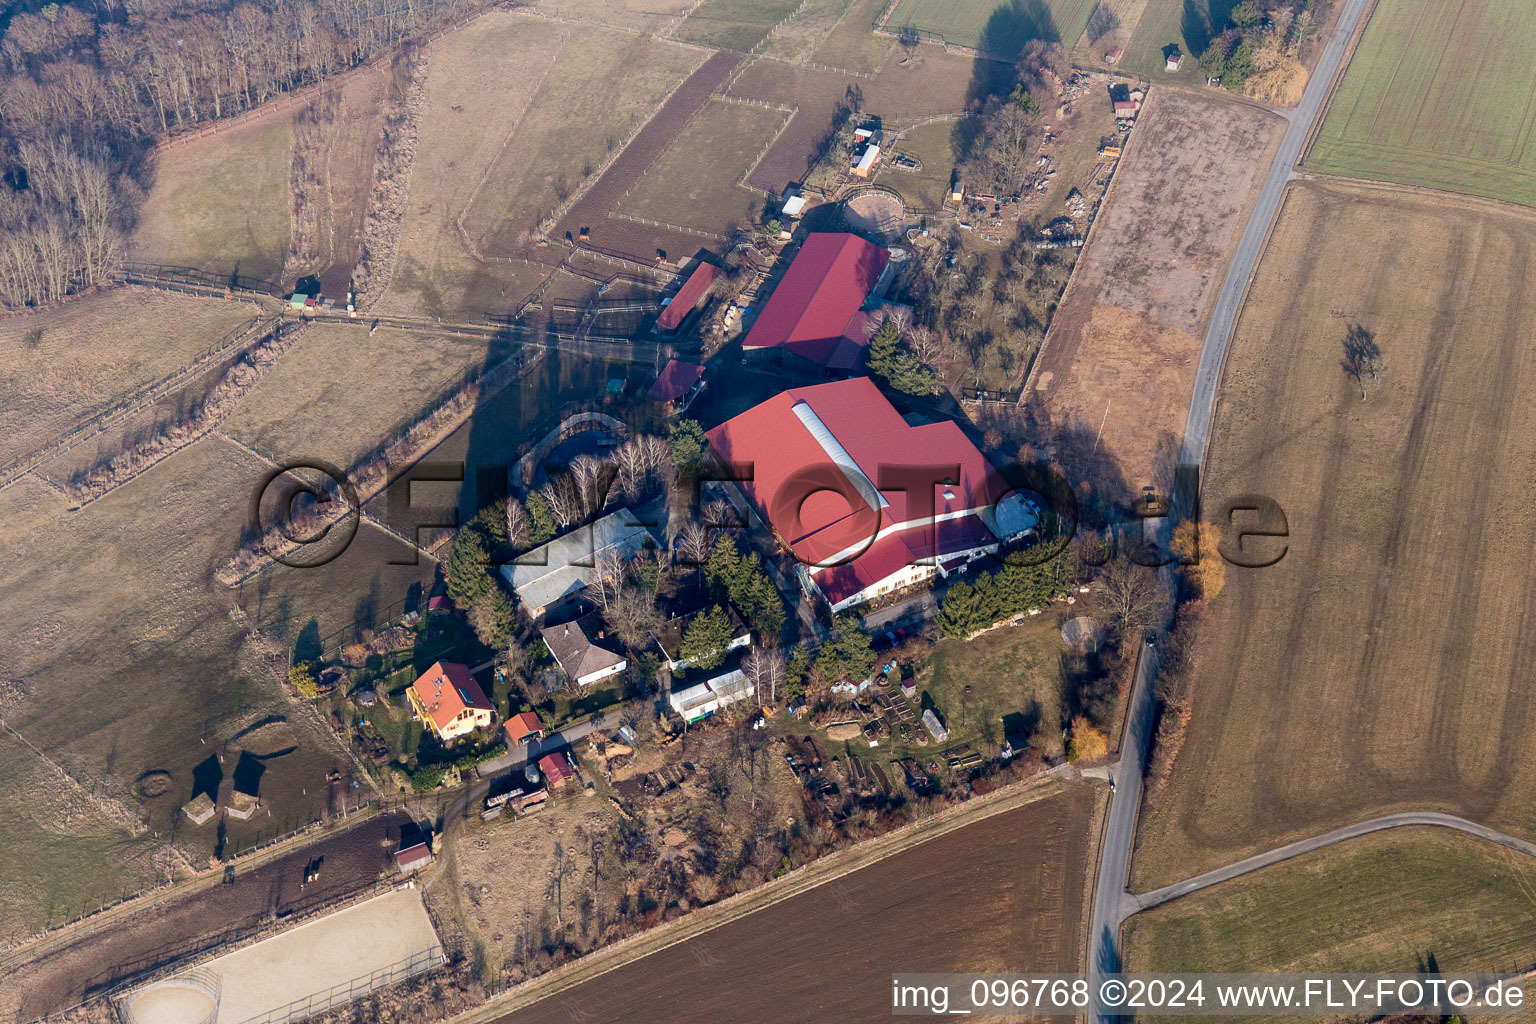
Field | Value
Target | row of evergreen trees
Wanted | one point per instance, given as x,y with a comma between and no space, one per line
967,607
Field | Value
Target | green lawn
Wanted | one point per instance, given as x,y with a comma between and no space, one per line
926,188
733,24
1442,95
1001,28
1384,902
1186,24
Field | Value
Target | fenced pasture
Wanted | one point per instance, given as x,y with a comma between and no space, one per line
852,44
113,604
1383,663
61,366
694,182
592,207
797,37
900,92
738,25
221,204
479,80
66,853
1000,27
1439,94
1378,903
658,16
612,81
340,392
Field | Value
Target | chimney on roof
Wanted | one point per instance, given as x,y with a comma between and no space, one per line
567,629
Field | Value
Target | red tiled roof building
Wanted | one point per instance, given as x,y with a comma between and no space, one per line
867,503
813,315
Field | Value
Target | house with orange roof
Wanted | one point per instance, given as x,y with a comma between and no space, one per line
447,700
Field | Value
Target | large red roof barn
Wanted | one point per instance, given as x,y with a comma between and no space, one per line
867,503
812,314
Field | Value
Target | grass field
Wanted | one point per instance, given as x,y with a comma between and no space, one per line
1385,902
733,24
835,33
221,203
852,43
680,188
922,908
339,393
645,15
500,89
60,366
996,27
1186,24
64,855
1011,671
1440,95
927,188
1385,662
1111,385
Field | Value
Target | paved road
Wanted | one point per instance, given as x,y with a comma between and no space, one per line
1130,903
1120,826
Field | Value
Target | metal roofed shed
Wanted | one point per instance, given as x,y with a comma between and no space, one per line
676,381
688,298
558,572
793,206
705,699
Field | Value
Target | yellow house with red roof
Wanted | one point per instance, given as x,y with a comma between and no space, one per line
447,700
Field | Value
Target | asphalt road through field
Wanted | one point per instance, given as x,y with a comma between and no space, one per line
1132,903
1109,897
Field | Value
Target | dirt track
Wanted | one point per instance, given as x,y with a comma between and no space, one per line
1111,387
199,921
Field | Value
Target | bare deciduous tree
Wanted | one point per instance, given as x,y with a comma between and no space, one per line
764,667
1362,356
1133,597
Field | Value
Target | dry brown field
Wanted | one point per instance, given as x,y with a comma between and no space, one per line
937,84
658,16
681,189
613,81
339,394
202,919
1384,902
1109,391
351,143
126,658
62,365
1008,893
1385,663
221,203
475,190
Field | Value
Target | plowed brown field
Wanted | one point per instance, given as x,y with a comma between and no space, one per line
1007,893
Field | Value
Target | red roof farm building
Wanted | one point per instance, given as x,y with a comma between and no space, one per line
688,297
867,503
812,316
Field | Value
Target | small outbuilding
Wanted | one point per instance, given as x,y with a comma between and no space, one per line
934,726
200,809
522,727
1175,61
677,386
413,857
688,298
557,769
